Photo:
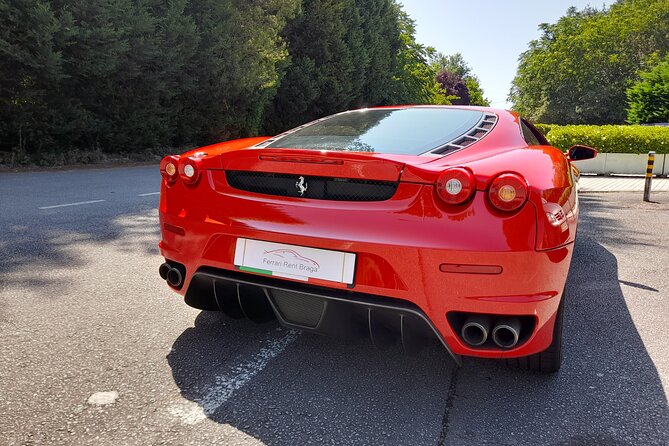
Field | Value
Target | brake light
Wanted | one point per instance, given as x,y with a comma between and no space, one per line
168,168
456,185
189,169
508,192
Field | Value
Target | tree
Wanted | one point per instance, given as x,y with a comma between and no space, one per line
579,69
126,75
31,33
235,67
648,99
317,82
112,89
381,31
476,92
453,63
415,79
349,54
453,86
460,73
133,74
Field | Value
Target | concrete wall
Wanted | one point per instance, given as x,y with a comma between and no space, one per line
623,163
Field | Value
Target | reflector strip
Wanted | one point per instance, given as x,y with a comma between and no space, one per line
176,229
470,269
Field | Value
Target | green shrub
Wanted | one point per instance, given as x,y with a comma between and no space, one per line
22,159
648,99
612,138
545,128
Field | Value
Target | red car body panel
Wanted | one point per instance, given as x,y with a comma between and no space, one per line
468,258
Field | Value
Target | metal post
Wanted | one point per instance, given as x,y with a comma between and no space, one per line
649,176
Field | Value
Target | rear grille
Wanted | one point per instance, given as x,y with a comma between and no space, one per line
317,188
298,308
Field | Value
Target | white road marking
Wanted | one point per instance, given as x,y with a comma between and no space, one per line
215,395
71,204
147,194
103,398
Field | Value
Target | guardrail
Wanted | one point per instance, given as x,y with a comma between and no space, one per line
624,164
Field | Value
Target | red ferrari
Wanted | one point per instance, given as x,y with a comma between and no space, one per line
408,224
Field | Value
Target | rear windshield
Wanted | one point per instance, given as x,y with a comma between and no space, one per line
407,131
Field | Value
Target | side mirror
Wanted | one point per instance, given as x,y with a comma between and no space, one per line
580,153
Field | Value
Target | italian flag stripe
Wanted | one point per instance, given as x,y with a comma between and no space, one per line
272,273
256,270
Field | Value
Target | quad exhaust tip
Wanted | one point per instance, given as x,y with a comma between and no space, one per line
475,330
506,332
173,275
163,270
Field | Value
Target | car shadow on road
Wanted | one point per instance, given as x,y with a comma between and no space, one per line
608,391
319,390
330,391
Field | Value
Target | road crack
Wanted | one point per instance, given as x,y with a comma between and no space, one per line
450,399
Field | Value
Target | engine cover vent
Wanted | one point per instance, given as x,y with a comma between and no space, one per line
313,187
477,132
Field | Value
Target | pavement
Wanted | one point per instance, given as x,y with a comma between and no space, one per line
97,351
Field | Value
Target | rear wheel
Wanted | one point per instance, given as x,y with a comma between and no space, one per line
550,359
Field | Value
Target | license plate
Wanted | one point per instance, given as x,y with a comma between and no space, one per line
295,262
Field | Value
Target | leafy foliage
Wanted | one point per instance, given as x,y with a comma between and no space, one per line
121,75
315,83
648,99
545,128
414,79
476,92
349,54
457,81
579,69
610,138
454,86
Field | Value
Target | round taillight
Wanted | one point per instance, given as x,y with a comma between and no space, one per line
189,170
456,185
508,192
168,168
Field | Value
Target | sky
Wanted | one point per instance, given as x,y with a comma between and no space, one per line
490,34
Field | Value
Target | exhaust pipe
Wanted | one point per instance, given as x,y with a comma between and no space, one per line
506,332
174,277
475,330
163,270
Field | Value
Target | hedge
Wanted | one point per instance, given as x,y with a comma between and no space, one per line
609,138
545,128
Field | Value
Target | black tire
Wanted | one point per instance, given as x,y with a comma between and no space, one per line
549,360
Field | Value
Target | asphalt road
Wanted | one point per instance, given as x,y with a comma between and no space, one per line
82,311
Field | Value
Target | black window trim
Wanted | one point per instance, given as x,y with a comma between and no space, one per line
537,134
